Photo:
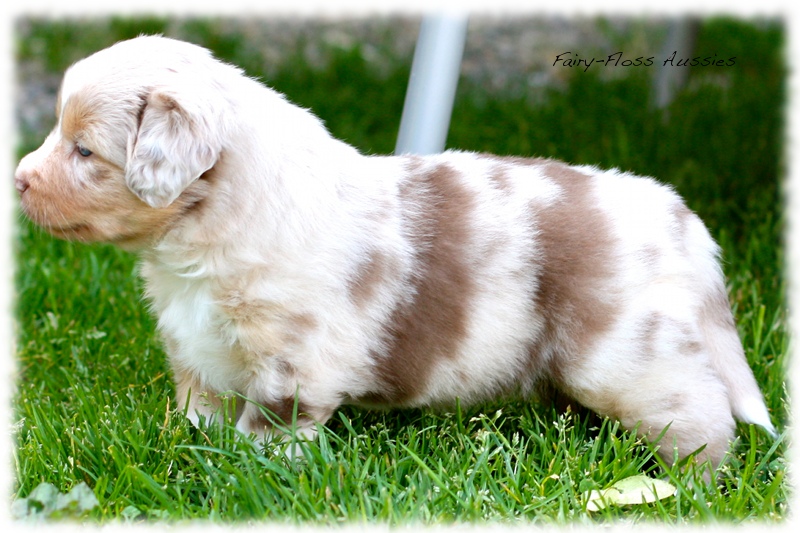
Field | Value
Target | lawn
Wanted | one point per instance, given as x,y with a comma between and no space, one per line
94,400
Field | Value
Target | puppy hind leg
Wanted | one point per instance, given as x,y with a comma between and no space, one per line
695,423
679,399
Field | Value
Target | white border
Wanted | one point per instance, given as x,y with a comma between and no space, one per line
334,8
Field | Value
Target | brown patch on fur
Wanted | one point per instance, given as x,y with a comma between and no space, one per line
143,97
576,245
649,255
688,342
194,199
681,216
434,323
258,328
499,178
80,116
674,402
647,337
165,102
284,410
690,346
716,309
286,370
302,323
259,421
681,213
365,284
263,328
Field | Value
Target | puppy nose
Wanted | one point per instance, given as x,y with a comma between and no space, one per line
21,182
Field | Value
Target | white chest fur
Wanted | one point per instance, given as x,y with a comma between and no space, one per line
194,328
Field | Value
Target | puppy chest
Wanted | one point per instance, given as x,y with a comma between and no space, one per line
229,335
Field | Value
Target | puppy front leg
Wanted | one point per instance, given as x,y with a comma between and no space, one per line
269,417
197,401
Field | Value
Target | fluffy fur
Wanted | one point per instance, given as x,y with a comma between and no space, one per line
283,264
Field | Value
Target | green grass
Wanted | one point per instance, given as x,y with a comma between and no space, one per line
94,400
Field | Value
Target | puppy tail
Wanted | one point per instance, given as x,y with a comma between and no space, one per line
729,361
719,329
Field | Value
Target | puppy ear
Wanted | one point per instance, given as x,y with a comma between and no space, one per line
179,138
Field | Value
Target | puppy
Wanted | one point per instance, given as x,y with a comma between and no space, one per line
288,268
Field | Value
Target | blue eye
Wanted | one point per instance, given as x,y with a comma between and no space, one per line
83,151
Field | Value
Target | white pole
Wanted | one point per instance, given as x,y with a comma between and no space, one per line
432,84
669,80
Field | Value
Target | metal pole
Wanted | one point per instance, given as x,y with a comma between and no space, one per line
432,85
669,80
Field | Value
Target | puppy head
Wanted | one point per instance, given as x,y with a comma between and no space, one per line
137,125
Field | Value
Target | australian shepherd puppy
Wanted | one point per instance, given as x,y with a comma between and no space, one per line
286,267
